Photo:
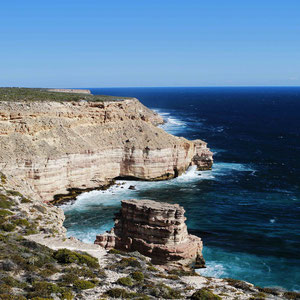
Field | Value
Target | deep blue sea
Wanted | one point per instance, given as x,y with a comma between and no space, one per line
247,209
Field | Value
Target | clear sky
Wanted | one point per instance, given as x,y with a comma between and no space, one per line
111,43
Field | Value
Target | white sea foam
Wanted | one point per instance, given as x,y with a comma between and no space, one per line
121,191
213,269
172,124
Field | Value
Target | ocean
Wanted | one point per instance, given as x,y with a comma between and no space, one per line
247,209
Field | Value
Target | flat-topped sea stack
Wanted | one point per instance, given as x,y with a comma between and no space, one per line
58,143
155,229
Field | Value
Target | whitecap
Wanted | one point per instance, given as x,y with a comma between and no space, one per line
173,124
213,269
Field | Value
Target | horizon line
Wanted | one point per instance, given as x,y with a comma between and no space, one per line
124,87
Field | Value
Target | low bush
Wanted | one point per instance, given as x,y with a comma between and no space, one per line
8,227
152,269
13,297
4,202
3,178
25,200
115,251
21,222
238,284
205,294
126,281
117,293
181,272
138,276
84,284
66,256
14,193
44,289
69,278
126,262
291,295
5,213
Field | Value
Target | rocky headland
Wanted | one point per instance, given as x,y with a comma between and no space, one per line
51,146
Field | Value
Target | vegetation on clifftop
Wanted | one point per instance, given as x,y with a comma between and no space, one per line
29,270
38,94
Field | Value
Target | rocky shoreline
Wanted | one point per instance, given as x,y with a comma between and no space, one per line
37,261
51,148
65,148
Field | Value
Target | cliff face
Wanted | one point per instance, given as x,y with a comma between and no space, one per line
50,147
155,229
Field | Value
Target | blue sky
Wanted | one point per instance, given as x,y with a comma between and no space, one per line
97,43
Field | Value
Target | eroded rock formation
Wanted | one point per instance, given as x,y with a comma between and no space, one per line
155,229
50,148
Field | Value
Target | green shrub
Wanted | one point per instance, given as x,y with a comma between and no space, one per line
126,262
126,281
12,297
3,238
115,251
291,295
21,222
12,282
181,272
3,178
4,202
238,284
258,296
69,278
67,295
152,269
171,277
44,289
168,292
138,276
14,193
84,284
83,272
5,288
47,272
117,293
25,200
5,213
267,290
8,227
205,294
66,256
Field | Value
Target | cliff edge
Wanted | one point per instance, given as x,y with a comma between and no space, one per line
50,148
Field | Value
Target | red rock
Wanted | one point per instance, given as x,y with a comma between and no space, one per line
154,229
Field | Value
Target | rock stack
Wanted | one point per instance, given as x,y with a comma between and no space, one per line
155,229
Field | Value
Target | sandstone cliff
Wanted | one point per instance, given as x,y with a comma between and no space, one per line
155,229
51,147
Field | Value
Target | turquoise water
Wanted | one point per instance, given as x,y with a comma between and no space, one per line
247,208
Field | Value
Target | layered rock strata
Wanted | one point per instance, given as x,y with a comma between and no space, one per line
50,148
155,229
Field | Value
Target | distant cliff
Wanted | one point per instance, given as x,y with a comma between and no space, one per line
76,91
48,148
